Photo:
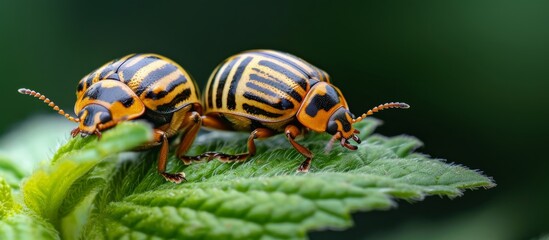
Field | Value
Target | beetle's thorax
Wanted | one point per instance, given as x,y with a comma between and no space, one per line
323,104
106,103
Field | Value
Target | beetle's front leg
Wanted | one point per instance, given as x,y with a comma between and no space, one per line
160,137
292,132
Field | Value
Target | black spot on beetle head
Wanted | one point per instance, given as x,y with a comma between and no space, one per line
339,122
91,116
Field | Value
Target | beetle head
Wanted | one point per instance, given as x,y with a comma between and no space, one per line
341,127
341,123
325,110
93,119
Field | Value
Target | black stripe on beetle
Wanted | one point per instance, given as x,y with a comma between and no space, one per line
280,85
171,106
119,63
209,101
89,80
325,76
231,100
277,85
221,83
171,86
258,111
111,68
303,84
154,76
283,104
260,89
285,72
129,72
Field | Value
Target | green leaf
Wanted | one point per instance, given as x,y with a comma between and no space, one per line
26,226
18,224
53,190
28,144
31,142
7,203
265,198
11,172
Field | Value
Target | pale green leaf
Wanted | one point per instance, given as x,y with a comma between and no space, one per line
33,141
26,226
8,206
49,187
11,172
16,223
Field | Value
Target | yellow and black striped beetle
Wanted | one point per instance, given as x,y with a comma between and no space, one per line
267,92
146,87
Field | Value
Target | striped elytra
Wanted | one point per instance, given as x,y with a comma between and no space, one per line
263,85
267,92
161,84
145,87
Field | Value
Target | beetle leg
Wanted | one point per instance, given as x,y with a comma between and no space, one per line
75,132
345,143
208,156
190,128
160,136
292,132
97,133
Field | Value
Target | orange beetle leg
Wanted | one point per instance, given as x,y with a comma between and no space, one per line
191,126
75,132
292,132
160,137
208,156
98,134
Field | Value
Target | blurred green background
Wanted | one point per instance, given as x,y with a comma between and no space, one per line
476,73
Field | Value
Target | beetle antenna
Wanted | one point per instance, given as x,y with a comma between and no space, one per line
49,102
381,107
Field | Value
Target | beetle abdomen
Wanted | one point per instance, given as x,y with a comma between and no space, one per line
263,85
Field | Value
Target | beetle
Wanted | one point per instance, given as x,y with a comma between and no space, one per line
266,92
145,87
